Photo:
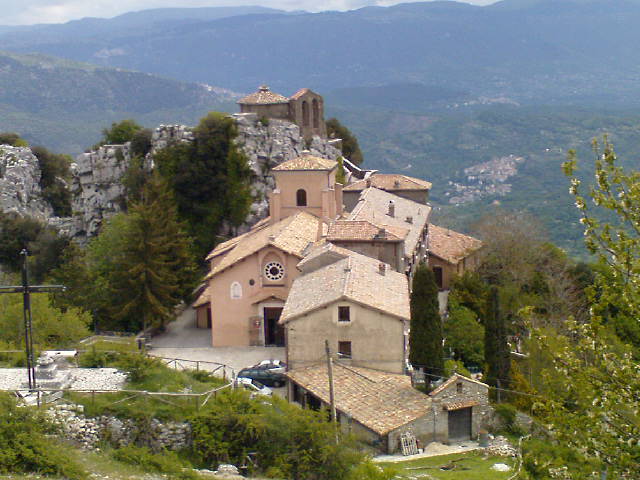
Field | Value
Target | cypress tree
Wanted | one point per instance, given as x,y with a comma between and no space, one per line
496,348
425,339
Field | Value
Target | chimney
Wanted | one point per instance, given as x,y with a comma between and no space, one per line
409,219
368,183
382,233
382,268
396,183
392,209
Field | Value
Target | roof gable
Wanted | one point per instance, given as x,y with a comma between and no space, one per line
306,162
451,246
355,278
264,96
291,235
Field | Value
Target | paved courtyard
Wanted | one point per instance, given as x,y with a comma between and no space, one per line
184,341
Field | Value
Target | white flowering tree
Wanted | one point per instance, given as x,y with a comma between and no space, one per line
599,411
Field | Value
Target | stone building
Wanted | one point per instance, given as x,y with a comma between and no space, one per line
450,254
378,407
359,304
305,108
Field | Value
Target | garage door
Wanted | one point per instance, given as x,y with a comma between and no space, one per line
460,424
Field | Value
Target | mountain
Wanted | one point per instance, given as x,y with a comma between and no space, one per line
556,51
64,105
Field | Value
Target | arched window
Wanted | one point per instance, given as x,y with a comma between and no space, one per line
301,198
316,113
305,113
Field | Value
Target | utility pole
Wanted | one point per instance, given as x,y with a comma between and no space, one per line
332,399
26,291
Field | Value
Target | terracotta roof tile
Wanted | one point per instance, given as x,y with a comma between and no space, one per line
449,245
299,93
355,278
291,234
263,96
203,299
307,162
373,206
380,401
362,230
389,182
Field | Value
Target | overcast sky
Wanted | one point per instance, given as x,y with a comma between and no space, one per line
24,12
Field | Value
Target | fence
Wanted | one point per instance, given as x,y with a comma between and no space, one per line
218,369
42,396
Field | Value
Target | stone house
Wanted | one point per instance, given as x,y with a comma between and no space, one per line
358,304
378,407
451,254
406,187
305,108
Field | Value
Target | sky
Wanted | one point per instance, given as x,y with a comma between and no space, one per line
26,12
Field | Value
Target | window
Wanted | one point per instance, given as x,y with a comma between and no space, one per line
316,113
344,349
459,387
273,271
305,113
344,314
301,198
438,273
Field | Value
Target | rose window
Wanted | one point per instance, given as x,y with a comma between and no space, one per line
273,271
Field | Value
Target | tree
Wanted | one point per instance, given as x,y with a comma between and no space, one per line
120,133
496,348
211,180
425,338
13,139
155,268
54,169
350,147
597,412
464,334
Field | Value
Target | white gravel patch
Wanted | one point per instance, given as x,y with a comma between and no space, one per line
83,378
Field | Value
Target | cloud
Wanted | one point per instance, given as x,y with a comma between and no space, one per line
59,11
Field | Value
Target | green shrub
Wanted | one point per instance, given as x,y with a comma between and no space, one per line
540,457
138,366
508,415
96,359
165,462
26,448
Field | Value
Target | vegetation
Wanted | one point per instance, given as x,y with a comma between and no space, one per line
210,179
55,175
27,447
459,466
52,328
166,462
137,270
13,139
497,352
425,336
350,148
120,133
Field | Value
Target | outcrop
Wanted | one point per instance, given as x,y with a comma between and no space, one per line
97,188
20,183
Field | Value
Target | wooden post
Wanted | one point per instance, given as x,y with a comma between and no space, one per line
332,399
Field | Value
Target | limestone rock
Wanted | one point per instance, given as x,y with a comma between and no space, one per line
19,183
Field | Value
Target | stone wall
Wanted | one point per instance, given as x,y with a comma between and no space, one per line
89,432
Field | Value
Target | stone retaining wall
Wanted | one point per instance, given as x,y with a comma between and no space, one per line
89,432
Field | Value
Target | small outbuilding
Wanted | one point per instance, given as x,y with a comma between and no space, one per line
378,407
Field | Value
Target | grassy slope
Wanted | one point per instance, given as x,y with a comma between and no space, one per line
469,466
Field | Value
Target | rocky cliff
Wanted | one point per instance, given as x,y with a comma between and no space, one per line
98,192
20,183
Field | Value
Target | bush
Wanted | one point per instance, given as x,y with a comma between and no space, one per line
96,359
138,366
26,448
542,457
13,139
165,462
508,415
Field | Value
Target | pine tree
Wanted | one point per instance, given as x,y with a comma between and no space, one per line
496,348
425,338
156,268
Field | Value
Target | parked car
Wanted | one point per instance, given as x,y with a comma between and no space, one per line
275,365
266,376
253,386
